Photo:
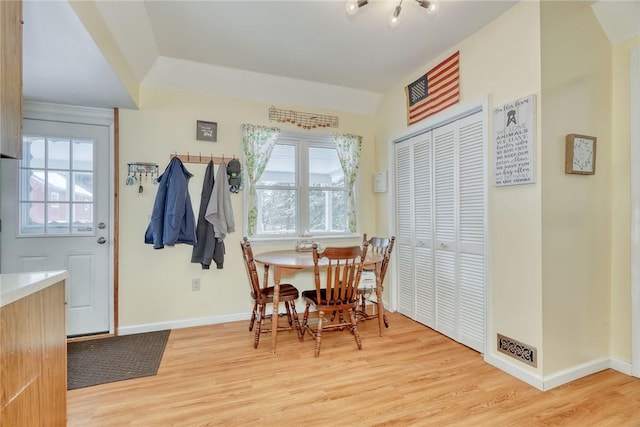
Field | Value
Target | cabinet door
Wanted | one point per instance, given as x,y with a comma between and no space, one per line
11,79
404,228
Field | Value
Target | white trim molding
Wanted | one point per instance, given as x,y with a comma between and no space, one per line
634,84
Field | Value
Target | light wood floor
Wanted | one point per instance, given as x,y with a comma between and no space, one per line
212,376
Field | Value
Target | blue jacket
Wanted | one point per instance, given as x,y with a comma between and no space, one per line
172,219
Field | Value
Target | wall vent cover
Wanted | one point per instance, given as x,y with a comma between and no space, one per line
522,352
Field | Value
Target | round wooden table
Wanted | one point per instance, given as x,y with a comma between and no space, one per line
289,261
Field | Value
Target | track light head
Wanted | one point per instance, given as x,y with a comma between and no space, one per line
432,6
354,5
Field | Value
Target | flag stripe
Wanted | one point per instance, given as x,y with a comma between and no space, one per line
443,90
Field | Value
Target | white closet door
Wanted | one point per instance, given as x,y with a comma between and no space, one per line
471,232
445,195
423,228
404,228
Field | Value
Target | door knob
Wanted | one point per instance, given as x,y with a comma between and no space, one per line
102,240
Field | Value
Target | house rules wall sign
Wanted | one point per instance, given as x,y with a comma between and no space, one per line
435,91
514,142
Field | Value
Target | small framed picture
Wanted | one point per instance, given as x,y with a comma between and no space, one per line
206,131
580,154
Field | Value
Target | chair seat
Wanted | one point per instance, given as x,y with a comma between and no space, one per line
311,296
287,292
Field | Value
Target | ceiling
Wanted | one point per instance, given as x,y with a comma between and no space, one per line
313,41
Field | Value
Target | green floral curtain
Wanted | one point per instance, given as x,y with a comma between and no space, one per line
257,144
348,147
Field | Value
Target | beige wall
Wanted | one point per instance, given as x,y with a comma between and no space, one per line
576,215
501,62
155,285
621,206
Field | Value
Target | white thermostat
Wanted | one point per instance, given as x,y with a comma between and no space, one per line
380,182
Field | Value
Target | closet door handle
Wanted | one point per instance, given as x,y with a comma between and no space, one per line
443,245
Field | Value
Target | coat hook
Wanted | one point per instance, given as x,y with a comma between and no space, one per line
200,154
188,157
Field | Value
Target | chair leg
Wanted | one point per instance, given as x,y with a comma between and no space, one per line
354,327
319,332
253,316
296,321
287,305
305,318
261,316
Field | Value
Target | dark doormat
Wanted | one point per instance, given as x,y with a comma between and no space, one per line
114,359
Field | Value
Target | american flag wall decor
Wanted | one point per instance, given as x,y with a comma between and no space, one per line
435,91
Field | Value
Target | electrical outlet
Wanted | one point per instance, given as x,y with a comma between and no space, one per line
195,284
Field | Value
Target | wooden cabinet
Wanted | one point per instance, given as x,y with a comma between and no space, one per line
33,359
11,79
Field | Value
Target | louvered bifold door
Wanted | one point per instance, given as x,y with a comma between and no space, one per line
471,294
445,196
404,228
423,229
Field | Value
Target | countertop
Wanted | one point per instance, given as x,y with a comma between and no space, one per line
14,286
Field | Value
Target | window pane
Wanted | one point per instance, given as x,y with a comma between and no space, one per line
82,218
328,211
57,218
82,187
83,155
33,152
58,153
281,167
324,168
277,211
58,186
32,218
32,185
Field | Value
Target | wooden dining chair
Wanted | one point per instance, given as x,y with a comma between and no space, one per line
381,246
337,296
263,295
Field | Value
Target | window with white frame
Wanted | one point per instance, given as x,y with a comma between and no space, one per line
302,190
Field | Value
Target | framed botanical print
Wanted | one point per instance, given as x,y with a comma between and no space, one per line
580,154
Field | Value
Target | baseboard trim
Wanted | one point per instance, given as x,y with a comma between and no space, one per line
180,324
515,371
567,375
620,366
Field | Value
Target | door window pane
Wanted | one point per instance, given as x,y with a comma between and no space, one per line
57,153
82,155
82,187
53,173
33,152
32,218
57,218
58,186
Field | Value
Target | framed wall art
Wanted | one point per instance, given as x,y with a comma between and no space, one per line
206,131
580,154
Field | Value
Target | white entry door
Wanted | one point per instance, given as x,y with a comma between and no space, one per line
55,215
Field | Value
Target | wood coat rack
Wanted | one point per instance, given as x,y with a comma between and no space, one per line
199,158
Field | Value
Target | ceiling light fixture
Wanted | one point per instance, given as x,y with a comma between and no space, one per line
431,7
